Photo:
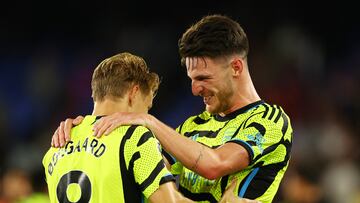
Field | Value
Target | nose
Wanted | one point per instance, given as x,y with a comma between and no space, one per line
196,88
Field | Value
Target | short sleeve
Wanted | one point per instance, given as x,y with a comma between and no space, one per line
149,169
259,137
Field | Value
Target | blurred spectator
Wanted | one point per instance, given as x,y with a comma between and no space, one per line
16,185
40,192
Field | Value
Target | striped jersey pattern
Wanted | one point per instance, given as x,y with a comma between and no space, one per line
125,166
264,130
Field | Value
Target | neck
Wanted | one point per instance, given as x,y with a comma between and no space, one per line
108,107
244,95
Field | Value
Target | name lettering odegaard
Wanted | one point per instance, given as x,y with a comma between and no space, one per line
92,146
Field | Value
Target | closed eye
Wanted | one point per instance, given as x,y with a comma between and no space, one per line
202,77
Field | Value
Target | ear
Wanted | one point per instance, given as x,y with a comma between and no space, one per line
237,66
133,92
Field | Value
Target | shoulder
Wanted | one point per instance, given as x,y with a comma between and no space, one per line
266,111
130,131
202,117
141,131
271,121
192,121
269,115
86,124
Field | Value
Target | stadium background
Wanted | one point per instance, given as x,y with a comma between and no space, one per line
304,58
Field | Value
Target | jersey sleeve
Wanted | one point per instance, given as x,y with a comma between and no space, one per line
261,138
149,169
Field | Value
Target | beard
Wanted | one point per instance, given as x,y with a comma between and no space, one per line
221,101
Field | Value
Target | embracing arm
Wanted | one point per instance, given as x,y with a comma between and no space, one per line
207,162
166,193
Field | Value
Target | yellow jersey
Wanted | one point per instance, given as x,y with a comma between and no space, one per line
126,166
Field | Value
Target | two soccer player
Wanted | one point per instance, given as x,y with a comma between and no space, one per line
126,166
238,136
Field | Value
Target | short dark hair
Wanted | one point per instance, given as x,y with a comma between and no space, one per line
213,36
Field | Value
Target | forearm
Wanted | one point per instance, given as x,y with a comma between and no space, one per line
207,162
191,154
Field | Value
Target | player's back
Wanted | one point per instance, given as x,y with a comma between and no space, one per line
88,169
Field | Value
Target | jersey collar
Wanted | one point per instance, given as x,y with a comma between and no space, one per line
233,114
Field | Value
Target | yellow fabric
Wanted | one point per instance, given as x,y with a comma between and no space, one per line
98,161
263,129
36,198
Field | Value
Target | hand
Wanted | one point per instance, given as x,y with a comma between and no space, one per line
230,197
108,123
62,133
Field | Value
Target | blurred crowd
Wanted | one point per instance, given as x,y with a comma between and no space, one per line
308,65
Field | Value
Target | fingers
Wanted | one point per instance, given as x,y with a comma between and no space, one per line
69,123
61,134
67,129
229,195
107,124
232,186
55,138
103,125
111,127
78,120
97,125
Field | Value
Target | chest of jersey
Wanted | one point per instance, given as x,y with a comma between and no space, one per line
214,133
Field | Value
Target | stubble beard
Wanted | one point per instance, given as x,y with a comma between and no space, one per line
222,102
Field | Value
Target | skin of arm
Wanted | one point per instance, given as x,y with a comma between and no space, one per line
167,193
230,196
207,162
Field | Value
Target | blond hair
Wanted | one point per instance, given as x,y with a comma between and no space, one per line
115,75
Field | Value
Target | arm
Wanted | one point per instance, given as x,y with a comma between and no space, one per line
209,163
167,193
